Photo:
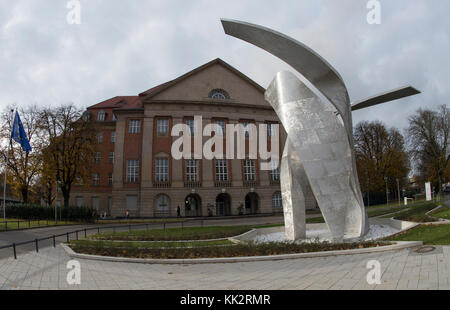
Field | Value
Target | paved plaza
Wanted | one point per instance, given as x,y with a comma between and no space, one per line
403,269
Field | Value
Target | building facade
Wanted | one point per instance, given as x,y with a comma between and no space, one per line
134,168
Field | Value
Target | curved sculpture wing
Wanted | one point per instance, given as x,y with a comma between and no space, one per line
303,59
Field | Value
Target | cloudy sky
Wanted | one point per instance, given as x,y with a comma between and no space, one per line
125,47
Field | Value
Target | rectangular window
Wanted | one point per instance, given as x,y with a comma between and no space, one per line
111,157
221,170
101,116
271,131
220,126
110,179
97,157
192,170
163,126
275,172
96,203
134,126
131,203
277,200
132,170
249,170
162,170
113,137
79,201
246,129
95,179
99,137
191,125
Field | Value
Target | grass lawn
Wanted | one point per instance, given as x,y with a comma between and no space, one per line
14,224
371,213
149,245
429,234
417,213
443,213
169,234
138,221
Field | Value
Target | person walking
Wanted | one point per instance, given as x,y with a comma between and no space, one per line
178,211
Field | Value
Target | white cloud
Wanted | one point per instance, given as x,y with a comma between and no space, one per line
122,48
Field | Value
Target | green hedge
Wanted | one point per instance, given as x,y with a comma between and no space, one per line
37,212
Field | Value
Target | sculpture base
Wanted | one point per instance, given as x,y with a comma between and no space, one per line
320,233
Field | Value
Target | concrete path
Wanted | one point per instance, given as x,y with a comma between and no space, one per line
404,269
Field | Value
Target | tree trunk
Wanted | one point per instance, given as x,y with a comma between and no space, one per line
24,193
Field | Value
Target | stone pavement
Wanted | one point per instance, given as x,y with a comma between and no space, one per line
403,269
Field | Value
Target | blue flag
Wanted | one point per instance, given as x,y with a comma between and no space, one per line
19,135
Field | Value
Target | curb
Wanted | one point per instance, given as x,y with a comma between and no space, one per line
397,246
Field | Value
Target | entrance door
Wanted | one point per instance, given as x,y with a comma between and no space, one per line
192,206
223,205
251,203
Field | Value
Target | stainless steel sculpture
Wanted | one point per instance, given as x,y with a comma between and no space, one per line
319,148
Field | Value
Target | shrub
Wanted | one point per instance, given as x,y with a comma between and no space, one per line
37,212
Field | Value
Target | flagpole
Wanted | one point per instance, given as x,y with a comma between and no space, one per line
6,170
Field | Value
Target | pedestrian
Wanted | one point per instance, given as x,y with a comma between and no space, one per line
127,214
178,211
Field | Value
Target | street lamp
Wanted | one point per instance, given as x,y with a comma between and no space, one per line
387,193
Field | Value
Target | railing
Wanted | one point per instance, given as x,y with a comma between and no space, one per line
84,232
274,182
251,183
222,184
192,184
162,185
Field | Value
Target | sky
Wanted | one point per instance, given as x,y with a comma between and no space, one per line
126,47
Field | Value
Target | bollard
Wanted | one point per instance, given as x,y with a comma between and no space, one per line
67,237
37,246
54,241
85,233
14,249
29,223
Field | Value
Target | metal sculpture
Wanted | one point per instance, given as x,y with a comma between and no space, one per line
319,147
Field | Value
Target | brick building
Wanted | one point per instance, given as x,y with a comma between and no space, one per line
134,169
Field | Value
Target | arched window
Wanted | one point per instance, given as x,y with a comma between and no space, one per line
277,200
162,203
101,116
218,94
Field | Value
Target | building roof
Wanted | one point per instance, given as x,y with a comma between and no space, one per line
133,102
155,90
119,102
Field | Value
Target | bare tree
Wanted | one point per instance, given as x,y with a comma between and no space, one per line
70,146
380,154
23,166
428,138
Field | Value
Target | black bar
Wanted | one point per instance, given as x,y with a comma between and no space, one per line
54,241
14,249
67,237
37,246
